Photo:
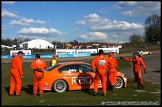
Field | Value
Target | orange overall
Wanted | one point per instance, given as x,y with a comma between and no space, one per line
137,63
99,64
38,76
15,77
112,72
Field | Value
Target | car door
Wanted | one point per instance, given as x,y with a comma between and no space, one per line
87,73
70,73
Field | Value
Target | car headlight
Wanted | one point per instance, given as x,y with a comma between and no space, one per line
122,74
125,79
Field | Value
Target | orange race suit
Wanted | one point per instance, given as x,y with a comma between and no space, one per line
112,72
137,63
100,64
15,75
38,66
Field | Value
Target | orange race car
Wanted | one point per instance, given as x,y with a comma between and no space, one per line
74,76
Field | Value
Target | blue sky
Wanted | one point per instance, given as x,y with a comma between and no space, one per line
112,21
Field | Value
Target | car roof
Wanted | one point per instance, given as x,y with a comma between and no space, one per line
75,62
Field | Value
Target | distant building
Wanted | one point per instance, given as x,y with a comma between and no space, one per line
37,44
4,46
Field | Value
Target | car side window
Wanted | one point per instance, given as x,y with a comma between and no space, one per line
51,68
69,68
85,68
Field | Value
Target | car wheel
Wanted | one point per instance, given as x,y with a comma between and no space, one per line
60,86
119,83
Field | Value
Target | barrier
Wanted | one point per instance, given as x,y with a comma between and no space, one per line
26,52
108,50
28,56
49,56
6,56
73,55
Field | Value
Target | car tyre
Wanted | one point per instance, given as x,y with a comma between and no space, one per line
60,86
119,83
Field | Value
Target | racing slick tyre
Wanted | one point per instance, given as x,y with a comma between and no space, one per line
119,83
60,86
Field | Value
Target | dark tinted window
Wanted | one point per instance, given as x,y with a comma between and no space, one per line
52,67
69,68
85,68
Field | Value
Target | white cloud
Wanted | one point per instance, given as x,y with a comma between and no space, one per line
39,31
102,10
97,23
122,4
7,2
26,22
6,27
43,33
121,29
93,36
139,8
81,22
6,14
140,11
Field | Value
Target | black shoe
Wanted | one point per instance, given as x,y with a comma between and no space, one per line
40,95
134,80
113,88
104,94
141,86
18,95
95,94
11,94
34,95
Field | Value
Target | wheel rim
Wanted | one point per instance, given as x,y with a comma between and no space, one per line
119,83
60,86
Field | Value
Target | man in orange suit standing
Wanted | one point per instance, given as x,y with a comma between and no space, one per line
112,72
99,65
16,74
137,64
38,67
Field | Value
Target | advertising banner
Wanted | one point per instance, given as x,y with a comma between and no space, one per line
86,51
65,51
26,52
73,55
108,50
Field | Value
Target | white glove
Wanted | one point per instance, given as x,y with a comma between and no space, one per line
21,77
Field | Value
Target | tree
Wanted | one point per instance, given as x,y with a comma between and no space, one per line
14,42
2,41
74,42
26,39
135,40
152,29
19,40
8,42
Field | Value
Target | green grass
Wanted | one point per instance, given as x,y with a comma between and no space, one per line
83,97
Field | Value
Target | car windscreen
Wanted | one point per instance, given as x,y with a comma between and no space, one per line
52,67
